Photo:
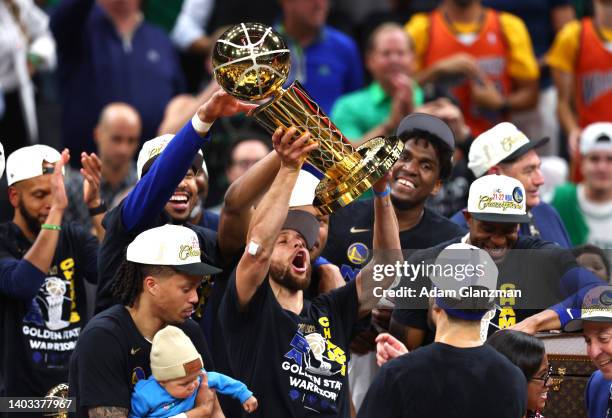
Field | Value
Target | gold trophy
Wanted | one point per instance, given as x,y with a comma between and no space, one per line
58,392
251,62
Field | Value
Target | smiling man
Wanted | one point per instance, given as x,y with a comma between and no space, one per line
546,274
595,321
424,164
505,150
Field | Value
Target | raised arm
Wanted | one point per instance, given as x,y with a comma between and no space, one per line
148,198
270,214
387,248
240,199
21,279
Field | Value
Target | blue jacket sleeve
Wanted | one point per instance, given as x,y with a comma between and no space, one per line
20,279
228,386
459,219
575,283
148,198
139,407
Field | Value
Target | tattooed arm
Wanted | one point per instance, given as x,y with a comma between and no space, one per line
108,412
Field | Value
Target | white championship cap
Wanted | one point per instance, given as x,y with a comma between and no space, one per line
502,143
497,198
170,245
596,137
153,148
27,162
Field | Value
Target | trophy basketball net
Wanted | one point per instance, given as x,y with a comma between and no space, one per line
251,62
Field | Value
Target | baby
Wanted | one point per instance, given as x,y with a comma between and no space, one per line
176,368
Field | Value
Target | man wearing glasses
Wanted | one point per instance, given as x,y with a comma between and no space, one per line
595,321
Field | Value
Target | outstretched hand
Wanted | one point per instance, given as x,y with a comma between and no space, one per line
291,151
222,104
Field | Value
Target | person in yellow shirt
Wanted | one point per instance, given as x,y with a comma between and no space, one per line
484,56
581,63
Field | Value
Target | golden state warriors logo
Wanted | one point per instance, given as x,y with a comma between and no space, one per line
517,195
357,253
138,374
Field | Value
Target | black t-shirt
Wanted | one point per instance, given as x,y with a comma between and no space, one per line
112,355
351,236
116,241
442,381
536,272
39,335
296,365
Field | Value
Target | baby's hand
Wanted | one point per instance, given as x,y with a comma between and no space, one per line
250,404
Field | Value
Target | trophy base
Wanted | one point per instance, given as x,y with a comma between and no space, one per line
378,156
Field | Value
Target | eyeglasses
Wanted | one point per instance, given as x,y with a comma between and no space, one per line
546,377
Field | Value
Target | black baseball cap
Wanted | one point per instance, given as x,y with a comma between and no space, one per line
427,123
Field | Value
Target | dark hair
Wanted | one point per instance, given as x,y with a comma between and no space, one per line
247,135
523,350
443,152
127,281
592,249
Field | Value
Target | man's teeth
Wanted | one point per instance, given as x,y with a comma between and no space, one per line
406,183
179,198
605,363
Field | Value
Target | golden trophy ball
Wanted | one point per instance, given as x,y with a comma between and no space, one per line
251,62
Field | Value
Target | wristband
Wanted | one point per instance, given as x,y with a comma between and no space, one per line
98,209
384,193
51,227
320,261
199,126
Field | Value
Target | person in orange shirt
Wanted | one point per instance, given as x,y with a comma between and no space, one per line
581,63
484,56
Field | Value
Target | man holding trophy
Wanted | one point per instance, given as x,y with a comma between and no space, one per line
293,352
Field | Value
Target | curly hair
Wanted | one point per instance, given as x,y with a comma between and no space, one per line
127,283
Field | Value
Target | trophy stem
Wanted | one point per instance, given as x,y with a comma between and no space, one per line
335,157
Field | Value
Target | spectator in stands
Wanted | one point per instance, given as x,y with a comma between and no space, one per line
595,322
116,136
586,208
26,47
246,150
543,19
325,61
581,63
44,262
593,258
377,109
107,53
484,55
505,150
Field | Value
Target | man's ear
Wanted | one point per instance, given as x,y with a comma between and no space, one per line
436,188
494,170
151,285
14,196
